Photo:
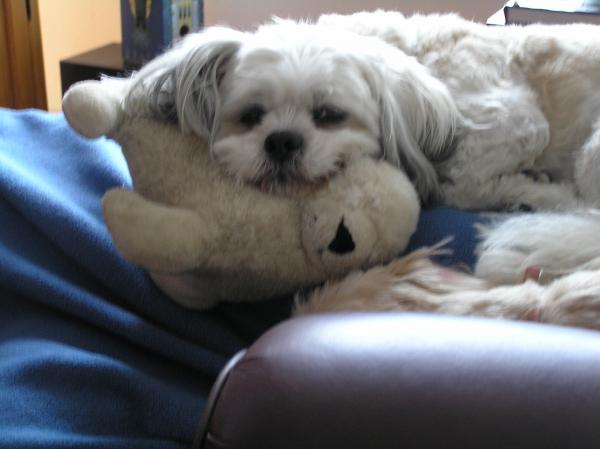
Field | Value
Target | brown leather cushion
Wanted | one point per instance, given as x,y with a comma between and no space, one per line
374,381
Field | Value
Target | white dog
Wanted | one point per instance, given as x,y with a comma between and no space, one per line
295,102
480,117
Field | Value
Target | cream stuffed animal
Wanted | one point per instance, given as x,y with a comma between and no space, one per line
205,238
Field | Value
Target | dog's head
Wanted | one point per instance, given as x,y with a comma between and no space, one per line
294,103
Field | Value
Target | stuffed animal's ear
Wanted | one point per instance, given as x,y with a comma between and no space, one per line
418,120
183,84
93,108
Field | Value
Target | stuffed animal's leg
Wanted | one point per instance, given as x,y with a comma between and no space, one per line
173,240
157,237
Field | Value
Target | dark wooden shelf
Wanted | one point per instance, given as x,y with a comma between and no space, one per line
106,60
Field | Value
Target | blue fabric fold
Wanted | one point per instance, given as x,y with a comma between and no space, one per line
92,354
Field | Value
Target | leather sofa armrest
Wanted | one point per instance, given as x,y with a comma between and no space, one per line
387,380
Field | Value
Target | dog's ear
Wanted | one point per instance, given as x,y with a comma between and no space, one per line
183,84
418,120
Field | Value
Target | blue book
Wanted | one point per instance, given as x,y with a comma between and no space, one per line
149,27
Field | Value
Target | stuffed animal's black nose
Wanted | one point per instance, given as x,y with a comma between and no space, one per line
281,146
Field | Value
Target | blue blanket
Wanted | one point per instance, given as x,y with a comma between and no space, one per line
91,353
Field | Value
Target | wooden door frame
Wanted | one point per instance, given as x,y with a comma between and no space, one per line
6,91
23,83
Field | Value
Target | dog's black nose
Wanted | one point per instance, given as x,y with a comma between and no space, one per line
282,145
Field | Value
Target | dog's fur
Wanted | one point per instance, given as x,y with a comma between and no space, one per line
414,283
561,243
480,117
344,94
486,118
529,98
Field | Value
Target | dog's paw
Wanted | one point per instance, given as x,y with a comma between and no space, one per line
573,300
557,243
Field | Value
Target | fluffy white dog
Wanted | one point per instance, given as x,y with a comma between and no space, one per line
486,118
479,117
296,102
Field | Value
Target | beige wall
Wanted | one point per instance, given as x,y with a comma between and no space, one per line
246,13
69,27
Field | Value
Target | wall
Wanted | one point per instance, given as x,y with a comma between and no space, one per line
246,14
70,27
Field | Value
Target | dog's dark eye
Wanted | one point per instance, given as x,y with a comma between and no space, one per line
252,116
328,115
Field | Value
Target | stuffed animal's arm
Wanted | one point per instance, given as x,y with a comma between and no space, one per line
94,108
156,236
262,242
